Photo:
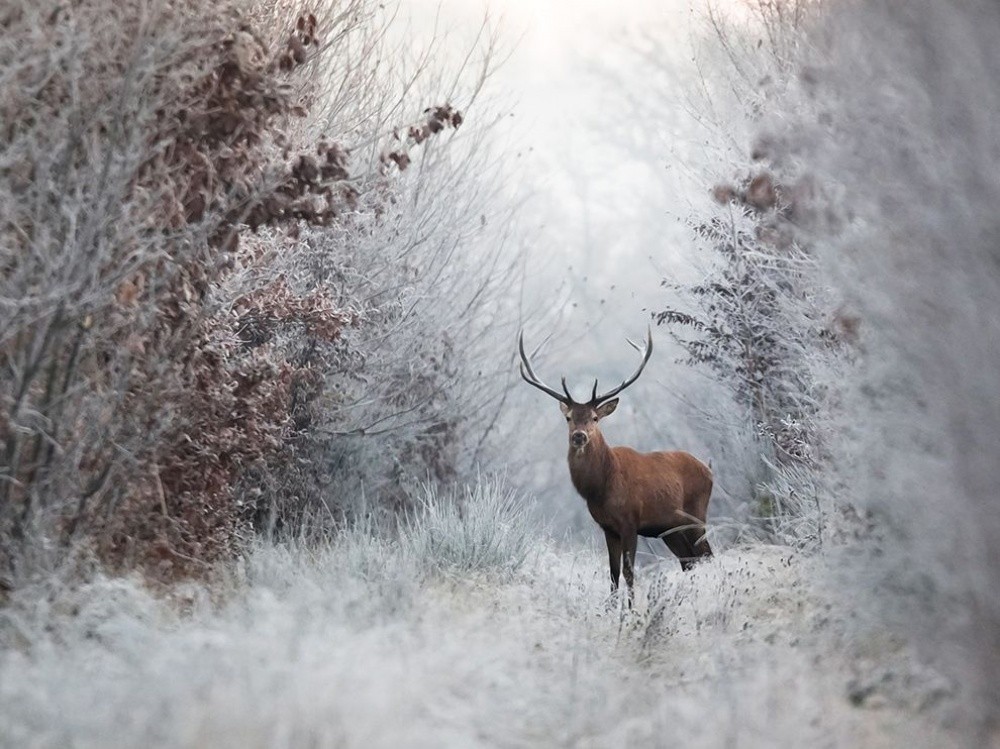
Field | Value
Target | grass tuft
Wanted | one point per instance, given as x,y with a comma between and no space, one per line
482,527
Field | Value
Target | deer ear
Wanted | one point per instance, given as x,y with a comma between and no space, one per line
606,409
564,408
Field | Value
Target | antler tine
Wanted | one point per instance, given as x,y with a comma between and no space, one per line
532,379
566,390
646,352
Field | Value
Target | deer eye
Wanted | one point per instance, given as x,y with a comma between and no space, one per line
594,419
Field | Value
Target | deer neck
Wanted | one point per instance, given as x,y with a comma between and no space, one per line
590,469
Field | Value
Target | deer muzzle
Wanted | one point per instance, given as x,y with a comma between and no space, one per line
578,439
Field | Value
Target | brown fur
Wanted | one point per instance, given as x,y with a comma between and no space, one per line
628,493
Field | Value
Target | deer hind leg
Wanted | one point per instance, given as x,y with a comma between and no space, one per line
678,543
697,542
614,542
629,543
688,545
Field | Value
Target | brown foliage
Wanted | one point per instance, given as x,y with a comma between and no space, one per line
434,120
134,394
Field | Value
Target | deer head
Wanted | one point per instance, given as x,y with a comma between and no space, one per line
583,418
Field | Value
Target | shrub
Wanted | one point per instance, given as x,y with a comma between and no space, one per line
160,346
764,321
485,528
141,144
894,112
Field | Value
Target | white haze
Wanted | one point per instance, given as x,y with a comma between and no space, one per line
481,629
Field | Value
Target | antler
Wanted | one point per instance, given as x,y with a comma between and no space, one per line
532,379
646,352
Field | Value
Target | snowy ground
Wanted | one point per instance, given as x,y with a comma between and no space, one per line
360,645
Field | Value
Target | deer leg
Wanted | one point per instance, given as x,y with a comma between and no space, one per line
683,542
699,540
629,542
614,542
697,544
677,544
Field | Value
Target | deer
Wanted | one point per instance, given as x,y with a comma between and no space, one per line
630,494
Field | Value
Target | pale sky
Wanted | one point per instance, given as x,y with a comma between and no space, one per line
564,109
601,205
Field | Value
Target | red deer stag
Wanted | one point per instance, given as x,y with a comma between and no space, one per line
631,494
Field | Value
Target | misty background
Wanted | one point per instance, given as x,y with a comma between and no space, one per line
607,120
268,473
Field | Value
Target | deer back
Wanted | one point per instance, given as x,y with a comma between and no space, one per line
657,490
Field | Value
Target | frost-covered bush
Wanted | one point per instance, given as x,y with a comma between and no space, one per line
196,202
487,527
762,320
894,112
759,322
139,143
405,395
885,112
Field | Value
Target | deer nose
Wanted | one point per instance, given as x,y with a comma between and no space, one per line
578,439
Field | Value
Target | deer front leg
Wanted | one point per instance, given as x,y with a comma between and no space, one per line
614,542
629,542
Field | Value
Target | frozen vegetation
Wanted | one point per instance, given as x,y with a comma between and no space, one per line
446,636
267,474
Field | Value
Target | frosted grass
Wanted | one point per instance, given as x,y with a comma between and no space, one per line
484,527
370,642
